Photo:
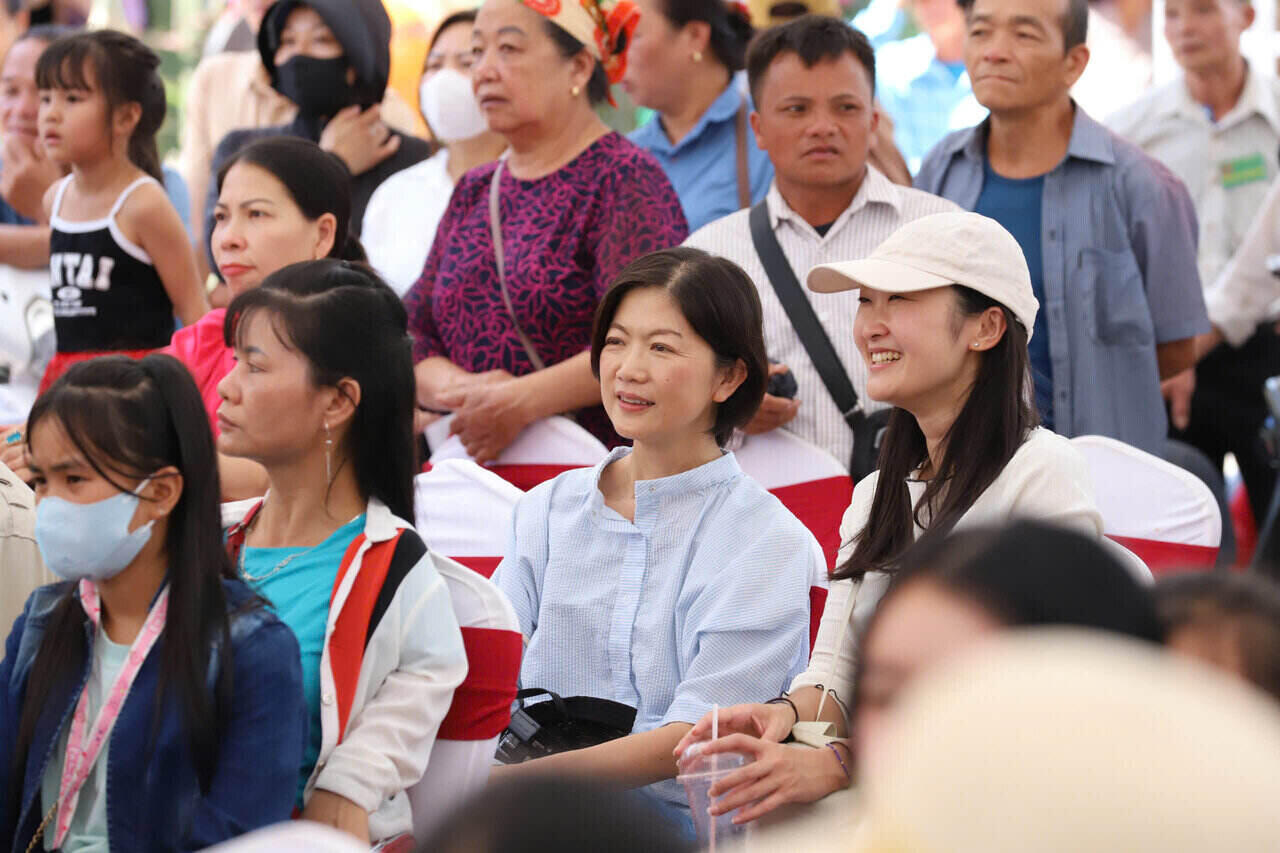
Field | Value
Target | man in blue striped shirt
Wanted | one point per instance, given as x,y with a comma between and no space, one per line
1109,233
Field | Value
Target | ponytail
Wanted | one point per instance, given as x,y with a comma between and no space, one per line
143,150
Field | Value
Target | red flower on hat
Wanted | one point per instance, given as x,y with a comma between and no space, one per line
549,8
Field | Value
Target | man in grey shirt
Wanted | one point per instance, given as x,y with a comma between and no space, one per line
1109,234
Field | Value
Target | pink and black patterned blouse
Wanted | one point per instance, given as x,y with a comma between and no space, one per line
565,236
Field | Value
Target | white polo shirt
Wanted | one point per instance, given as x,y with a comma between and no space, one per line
878,209
1227,166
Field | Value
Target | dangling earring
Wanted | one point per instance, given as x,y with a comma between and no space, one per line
575,91
328,455
697,56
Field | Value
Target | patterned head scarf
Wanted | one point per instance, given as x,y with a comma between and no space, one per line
603,26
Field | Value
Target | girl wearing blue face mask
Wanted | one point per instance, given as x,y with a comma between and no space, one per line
150,701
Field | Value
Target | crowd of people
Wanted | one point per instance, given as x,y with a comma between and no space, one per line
922,257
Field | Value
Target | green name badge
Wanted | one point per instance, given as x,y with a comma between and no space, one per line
1243,170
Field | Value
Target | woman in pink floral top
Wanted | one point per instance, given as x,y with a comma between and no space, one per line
577,203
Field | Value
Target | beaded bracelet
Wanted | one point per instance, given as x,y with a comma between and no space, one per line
794,709
845,767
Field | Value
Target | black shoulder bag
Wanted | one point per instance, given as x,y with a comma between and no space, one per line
561,725
868,429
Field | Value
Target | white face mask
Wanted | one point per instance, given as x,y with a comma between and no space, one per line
90,540
450,106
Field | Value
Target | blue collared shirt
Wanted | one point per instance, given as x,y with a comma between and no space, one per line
703,166
925,97
703,599
1118,239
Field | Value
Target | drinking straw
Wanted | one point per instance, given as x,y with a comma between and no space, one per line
715,734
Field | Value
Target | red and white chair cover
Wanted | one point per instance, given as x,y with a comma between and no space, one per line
481,709
464,512
542,450
1165,515
813,485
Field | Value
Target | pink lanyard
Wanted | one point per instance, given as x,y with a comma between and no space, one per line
82,755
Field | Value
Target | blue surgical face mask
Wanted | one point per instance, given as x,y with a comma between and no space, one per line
90,541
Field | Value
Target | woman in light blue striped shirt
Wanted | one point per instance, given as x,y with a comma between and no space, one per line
663,578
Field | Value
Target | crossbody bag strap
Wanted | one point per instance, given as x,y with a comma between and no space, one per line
495,229
744,173
816,343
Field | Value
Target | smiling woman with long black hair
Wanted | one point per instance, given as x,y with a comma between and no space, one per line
946,309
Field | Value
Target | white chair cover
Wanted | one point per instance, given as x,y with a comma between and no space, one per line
1141,496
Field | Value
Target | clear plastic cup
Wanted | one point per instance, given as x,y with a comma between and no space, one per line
698,774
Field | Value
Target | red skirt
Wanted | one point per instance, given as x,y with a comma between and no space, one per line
62,361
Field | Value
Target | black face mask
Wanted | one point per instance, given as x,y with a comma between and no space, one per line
318,86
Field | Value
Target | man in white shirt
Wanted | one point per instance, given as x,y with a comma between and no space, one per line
1217,127
812,82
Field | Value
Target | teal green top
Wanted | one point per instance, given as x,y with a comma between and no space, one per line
300,593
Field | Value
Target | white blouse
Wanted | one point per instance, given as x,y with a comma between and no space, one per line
1047,479
401,218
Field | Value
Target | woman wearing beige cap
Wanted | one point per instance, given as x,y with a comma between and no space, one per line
946,310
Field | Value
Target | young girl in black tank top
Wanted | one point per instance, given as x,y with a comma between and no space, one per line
119,262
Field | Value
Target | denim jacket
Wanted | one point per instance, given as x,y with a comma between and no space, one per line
154,799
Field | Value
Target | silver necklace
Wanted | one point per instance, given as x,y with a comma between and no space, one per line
278,566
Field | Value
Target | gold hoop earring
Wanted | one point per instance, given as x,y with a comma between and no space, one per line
328,455
576,91
697,56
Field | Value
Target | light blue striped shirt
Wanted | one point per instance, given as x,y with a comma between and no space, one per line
704,599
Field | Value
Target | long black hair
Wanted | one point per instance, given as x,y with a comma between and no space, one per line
721,304
129,419
995,420
348,323
126,71
316,180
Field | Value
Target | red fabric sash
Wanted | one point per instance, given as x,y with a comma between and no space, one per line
525,477
820,506
481,706
484,566
817,603
1168,557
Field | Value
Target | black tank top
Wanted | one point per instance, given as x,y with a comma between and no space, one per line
107,295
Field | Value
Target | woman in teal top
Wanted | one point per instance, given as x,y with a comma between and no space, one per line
682,64
322,397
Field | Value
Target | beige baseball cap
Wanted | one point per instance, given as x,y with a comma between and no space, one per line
938,251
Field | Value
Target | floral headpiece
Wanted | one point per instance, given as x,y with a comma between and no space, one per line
604,26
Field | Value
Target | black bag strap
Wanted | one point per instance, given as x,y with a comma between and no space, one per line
802,317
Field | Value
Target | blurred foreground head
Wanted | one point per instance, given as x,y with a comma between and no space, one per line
1060,741
1226,620
549,814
